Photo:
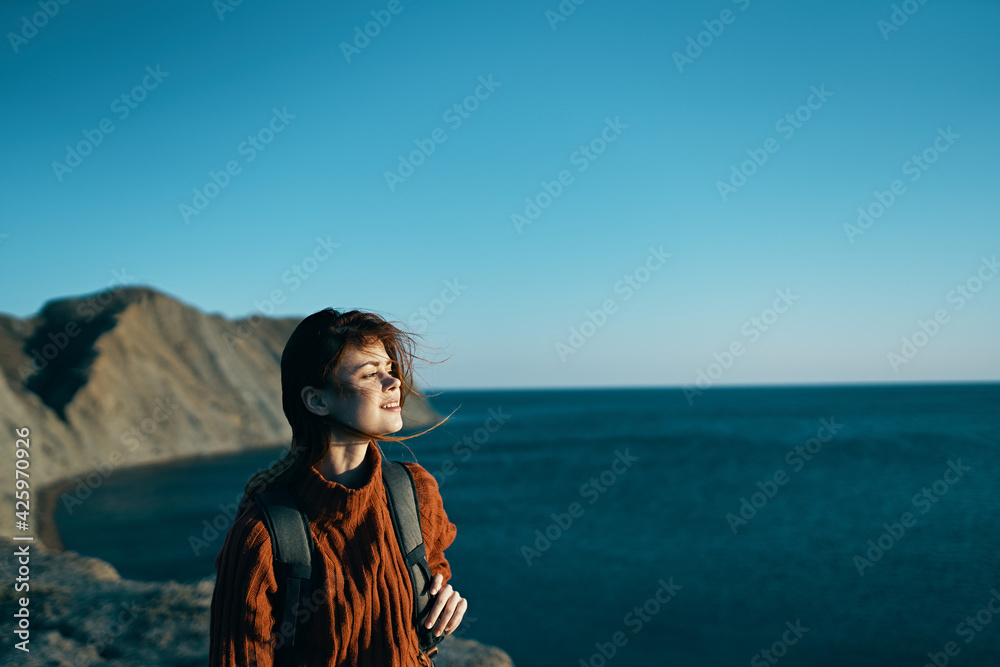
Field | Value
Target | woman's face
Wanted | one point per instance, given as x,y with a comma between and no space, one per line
372,391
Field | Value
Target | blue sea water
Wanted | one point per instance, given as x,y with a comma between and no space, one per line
580,511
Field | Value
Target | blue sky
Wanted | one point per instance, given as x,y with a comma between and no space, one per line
671,105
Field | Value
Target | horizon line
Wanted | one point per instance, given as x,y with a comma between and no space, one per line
776,385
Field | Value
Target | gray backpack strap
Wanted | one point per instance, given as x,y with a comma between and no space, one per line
401,492
291,545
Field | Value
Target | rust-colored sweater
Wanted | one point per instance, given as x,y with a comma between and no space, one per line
363,610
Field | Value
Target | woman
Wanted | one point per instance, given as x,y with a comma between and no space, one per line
344,379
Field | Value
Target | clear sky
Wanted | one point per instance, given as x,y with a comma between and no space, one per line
673,169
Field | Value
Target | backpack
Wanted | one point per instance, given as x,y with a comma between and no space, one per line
292,547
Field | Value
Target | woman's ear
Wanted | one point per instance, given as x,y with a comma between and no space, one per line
315,402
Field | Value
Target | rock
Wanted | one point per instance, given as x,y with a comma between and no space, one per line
454,652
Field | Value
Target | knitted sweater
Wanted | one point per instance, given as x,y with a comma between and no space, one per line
362,612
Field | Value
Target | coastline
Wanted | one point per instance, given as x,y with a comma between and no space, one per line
48,496
45,516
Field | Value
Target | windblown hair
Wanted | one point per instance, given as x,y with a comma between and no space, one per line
311,358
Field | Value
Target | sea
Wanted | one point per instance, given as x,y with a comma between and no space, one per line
814,526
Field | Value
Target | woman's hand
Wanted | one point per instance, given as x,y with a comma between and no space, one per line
449,605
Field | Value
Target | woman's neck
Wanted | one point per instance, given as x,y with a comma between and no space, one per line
346,464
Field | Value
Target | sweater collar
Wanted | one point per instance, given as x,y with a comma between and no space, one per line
326,501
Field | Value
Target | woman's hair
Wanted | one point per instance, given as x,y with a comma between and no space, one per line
311,358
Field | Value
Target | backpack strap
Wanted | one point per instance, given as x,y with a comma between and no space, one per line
401,493
292,546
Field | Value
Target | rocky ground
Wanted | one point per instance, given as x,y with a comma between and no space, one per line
83,614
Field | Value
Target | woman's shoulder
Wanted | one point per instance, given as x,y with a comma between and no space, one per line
249,531
439,531
244,562
428,492
424,481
